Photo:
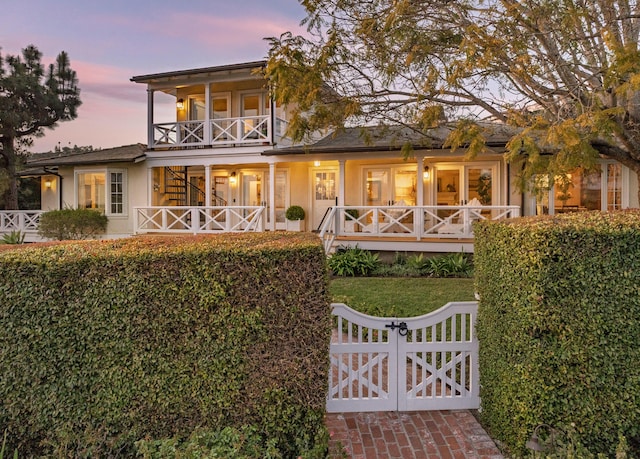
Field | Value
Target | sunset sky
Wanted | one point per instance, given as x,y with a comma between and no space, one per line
108,42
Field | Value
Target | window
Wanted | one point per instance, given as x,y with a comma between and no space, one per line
102,190
580,190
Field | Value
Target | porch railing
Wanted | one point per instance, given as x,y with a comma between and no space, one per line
183,219
25,221
246,130
411,222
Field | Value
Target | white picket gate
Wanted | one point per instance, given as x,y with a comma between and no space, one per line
389,364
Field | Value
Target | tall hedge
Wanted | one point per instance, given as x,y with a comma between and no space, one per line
559,327
103,343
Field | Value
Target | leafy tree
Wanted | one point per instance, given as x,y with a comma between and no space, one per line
31,100
564,73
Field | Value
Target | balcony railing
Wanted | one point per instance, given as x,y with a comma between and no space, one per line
194,220
246,130
410,222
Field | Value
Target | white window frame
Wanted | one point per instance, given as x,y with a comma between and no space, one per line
624,188
107,191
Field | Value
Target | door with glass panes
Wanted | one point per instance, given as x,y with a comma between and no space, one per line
323,196
254,191
460,185
387,186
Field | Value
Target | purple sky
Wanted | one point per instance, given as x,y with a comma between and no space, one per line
108,42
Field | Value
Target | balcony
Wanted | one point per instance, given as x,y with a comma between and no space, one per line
222,132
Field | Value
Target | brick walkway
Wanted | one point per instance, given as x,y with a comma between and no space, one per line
425,434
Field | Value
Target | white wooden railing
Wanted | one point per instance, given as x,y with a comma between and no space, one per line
25,221
182,219
411,222
221,131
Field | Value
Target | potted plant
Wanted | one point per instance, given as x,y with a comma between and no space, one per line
350,220
294,218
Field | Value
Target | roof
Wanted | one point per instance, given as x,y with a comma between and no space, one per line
391,138
127,153
154,77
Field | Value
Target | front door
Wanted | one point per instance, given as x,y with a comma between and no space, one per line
323,195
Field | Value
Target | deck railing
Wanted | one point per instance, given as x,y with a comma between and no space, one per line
25,221
194,220
246,130
410,222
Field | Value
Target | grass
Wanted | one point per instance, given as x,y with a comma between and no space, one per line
399,297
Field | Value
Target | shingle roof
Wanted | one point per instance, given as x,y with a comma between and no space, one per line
127,153
182,73
390,138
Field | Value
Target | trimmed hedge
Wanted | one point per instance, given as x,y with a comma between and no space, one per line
559,324
68,224
103,343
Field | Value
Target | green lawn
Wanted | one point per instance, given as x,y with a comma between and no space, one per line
399,297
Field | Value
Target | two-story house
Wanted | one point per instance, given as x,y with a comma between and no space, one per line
217,159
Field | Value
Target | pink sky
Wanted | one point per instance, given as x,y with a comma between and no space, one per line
109,42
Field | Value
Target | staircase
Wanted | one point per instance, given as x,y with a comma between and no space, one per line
179,191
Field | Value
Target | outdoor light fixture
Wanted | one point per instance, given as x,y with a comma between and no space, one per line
425,174
316,163
47,184
232,178
180,104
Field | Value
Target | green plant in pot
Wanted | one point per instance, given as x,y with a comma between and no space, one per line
295,218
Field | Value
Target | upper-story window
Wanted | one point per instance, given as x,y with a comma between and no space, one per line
103,190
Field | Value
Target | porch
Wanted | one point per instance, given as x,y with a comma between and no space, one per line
24,221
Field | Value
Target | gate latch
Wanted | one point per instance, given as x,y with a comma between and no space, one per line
402,328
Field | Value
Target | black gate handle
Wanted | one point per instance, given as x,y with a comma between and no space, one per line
402,328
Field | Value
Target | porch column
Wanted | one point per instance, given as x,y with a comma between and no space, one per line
150,188
419,216
341,189
272,196
207,185
420,181
150,118
207,114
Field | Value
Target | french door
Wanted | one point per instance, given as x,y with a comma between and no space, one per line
456,185
254,191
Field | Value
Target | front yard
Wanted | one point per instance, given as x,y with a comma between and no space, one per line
399,297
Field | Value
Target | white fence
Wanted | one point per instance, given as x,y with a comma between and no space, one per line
181,219
420,363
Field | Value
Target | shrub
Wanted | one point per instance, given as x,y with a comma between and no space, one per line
294,213
13,238
353,261
450,265
66,224
558,323
353,213
105,343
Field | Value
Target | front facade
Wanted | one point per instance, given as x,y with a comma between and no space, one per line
217,159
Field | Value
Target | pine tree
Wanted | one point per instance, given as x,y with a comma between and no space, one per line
31,100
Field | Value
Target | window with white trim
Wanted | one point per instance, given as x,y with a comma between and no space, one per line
600,189
103,190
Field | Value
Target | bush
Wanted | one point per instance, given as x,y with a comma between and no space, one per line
105,343
353,261
294,213
353,213
558,323
67,224
12,238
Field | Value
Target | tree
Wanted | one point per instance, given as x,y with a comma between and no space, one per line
564,73
29,102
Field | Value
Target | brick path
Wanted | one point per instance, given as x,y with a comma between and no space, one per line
424,434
